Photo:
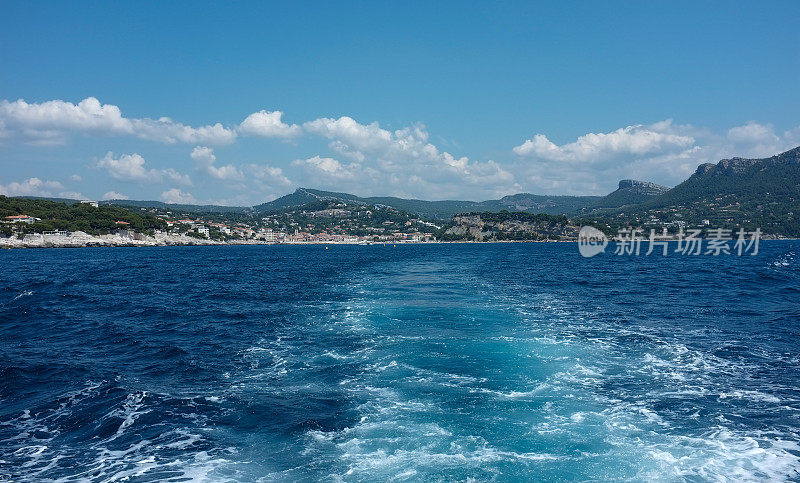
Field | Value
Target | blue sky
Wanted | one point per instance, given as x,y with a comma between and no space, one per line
426,99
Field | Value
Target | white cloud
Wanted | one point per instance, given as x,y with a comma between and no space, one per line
328,167
203,154
76,177
369,159
401,162
630,141
256,179
268,175
759,140
51,122
662,152
330,173
177,196
351,134
168,131
205,158
73,195
753,132
227,172
595,162
268,124
31,187
37,187
131,167
265,182
113,195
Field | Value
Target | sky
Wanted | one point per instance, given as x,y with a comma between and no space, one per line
238,103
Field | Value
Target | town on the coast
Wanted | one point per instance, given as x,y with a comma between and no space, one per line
335,223
734,194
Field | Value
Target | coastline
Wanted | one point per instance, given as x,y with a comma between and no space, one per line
132,239
84,240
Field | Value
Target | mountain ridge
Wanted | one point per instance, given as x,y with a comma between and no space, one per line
738,189
749,192
439,209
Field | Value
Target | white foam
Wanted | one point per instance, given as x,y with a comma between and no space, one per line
26,293
130,411
751,395
578,417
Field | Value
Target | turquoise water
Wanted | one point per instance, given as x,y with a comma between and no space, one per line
420,362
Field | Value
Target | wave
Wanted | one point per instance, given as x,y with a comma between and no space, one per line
42,441
403,365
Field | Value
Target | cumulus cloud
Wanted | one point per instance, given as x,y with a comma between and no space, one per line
203,155
663,152
51,122
629,141
255,182
759,140
131,167
227,172
328,167
205,158
753,132
37,187
370,159
401,161
177,196
267,175
349,133
113,195
263,183
31,187
595,162
749,140
268,124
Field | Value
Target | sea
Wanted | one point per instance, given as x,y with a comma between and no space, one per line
407,362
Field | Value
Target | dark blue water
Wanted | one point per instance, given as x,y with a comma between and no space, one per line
426,362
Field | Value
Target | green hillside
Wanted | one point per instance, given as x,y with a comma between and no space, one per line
444,209
177,206
551,205
629,192
755,193
56,215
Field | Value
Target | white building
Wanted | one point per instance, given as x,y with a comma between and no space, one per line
22,219
268,235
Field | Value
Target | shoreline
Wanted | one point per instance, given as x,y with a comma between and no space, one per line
131,239
210,243
116,241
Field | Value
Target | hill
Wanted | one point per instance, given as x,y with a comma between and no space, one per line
176,207
763,181
149,204
551,205
754,193
423,208
73,216
629,192
443,209
506,225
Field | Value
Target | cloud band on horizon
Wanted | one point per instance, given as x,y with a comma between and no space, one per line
375,160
